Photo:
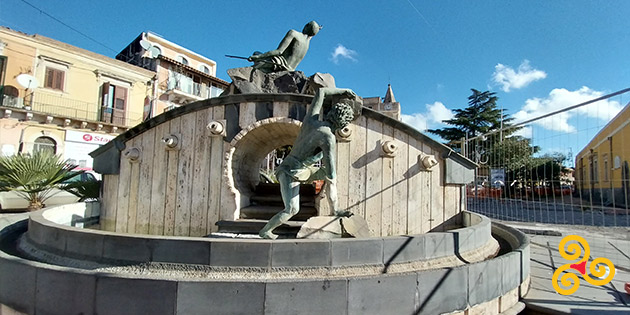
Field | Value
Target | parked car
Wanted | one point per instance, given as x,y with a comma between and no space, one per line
11,200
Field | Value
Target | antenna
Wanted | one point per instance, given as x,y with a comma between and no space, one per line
145,44
154,52
27,81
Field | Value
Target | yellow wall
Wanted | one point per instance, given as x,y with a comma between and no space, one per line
611,142
85,73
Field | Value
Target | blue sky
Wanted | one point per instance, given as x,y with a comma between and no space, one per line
536,55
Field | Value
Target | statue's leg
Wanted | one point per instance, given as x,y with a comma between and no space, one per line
290,190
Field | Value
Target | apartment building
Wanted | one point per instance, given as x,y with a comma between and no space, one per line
182,76
58,97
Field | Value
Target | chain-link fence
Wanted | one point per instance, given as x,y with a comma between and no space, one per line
568,166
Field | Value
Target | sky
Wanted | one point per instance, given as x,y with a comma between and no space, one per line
538,56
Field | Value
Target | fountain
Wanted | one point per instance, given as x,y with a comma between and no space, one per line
173,184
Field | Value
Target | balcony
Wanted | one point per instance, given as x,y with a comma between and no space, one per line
184,91
55,108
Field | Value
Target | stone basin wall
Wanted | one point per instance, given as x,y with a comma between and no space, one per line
151,188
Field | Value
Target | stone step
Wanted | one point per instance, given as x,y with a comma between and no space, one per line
276,200
252,226
266,212
274,189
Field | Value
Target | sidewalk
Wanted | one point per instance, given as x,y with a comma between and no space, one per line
611,243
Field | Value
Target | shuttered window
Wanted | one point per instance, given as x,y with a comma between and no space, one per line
54,78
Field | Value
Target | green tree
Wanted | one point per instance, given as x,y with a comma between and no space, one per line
35,177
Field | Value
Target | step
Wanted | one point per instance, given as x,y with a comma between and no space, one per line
276,200
252,226
266,212
274,189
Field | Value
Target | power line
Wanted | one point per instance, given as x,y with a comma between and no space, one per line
68,26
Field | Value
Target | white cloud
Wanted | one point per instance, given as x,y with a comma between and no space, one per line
562,98
510,79
434,115
342,52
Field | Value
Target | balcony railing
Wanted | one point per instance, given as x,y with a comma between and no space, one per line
69,108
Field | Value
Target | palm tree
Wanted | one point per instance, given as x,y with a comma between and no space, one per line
35,177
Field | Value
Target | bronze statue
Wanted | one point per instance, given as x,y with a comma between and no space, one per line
316,141
289,53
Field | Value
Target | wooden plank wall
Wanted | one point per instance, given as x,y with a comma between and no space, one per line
180,191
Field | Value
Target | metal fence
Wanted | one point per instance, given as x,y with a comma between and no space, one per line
569,166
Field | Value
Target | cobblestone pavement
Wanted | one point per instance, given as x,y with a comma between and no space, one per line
611,298
553,211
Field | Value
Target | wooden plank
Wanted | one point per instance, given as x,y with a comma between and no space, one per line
201,171
171,182
401,168
280,109
134,182
451,201
343,173
217,184
122,208
356,174
158,182
110,202
414,213
146,178
184,175
387,190
247,114
437,189
373,176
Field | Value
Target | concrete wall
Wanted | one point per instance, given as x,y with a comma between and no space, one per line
184,190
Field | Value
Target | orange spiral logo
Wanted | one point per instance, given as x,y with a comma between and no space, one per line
601,268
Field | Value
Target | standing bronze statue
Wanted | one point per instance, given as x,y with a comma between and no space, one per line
316,141
289,53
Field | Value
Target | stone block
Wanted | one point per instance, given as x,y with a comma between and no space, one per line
220,298
353,252
47,236
180,250
508,300
119,296
321,227
510,271
85,244
465,239
382,295
310,297
490,307
64,292
17,285
126,248
236,253
402,249
303,253
525,262
442,290
484,284
438,244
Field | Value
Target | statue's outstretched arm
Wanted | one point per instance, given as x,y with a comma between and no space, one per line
284,44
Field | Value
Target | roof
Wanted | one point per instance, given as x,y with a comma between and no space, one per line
189,68
389,95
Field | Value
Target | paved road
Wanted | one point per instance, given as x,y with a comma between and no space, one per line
553,211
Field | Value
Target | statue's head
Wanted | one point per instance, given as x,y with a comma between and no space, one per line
311,28
340,114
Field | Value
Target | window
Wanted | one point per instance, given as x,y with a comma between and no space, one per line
204,69
594,175
182,59
54,78
605,158
114,102
45,144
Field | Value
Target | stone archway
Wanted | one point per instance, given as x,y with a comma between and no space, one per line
252,145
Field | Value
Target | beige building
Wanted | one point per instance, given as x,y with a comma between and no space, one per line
388,106
183,76
62,98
